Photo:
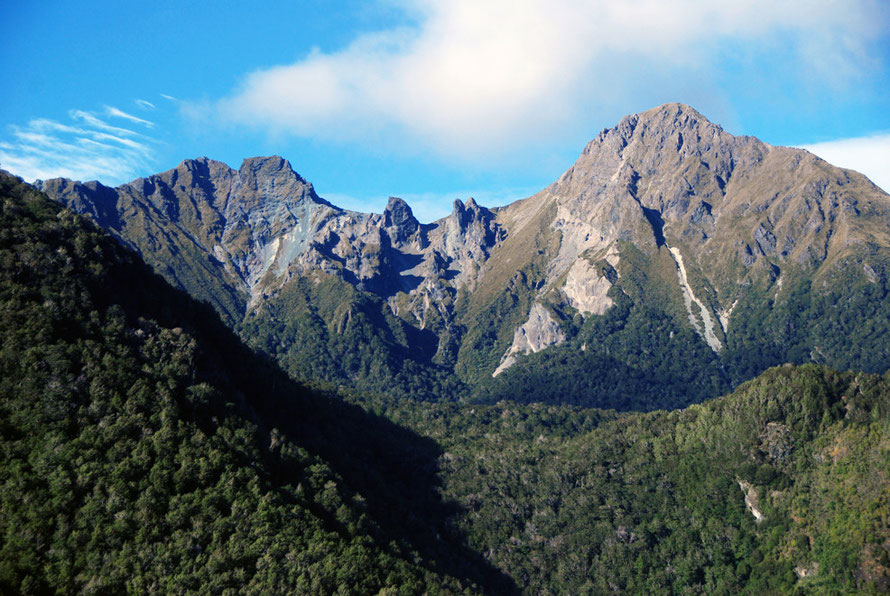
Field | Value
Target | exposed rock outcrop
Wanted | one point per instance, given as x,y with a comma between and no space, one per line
752,502
540,331
699,317
586,289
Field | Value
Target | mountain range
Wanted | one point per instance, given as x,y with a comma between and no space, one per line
672,261
236,386
145,448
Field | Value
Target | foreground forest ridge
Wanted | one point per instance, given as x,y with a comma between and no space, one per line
367,404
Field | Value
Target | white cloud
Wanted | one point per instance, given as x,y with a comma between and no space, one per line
475,78
116,113
869,155
86,148
144,104
90,119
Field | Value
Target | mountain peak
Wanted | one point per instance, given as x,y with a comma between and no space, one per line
398,215
677,116
199,162
268,166
397,204
272,179
660,139
459,206
662,122
674,110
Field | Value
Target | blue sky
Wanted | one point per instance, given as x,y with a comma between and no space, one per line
430,100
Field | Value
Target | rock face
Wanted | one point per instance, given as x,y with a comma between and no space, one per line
665,225
752,502
214,231
733,213
670,177
699,315
263,224
586,289
539,332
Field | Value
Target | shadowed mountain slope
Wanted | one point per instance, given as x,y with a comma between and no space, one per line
782,487
145,448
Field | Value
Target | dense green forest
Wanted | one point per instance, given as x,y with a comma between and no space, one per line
635,357
583,501
144,448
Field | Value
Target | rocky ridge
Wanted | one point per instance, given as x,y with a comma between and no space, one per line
263,224
665,209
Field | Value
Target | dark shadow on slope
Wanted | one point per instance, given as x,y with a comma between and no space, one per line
393,468
402,261
657,223
409,283
597,381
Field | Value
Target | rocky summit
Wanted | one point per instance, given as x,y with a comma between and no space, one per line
671,262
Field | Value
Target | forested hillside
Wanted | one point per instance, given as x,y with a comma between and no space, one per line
145,449
569,501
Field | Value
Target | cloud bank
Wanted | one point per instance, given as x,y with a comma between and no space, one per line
86,147
476,78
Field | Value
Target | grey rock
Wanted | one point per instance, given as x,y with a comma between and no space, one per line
739,209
